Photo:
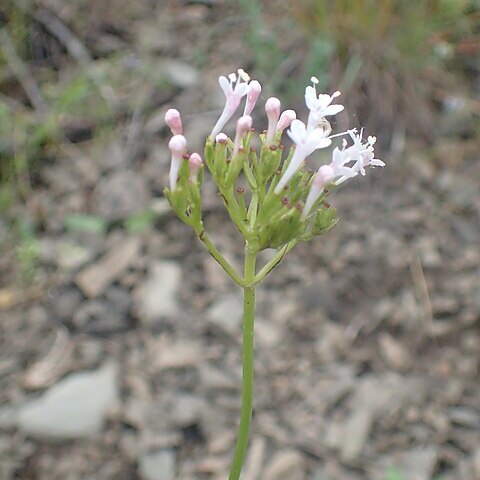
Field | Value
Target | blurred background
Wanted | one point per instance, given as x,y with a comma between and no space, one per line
120,337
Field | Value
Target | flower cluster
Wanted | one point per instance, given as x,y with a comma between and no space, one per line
285,202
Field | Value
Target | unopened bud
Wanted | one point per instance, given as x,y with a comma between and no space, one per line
272,108
286,118
253,92
244,125
174,121
194,164
178,147
221,138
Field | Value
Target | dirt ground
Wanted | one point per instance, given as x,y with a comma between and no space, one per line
367,339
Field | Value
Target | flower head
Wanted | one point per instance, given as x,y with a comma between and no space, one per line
178,148
320,105
325,174
362,152
234,88
306,142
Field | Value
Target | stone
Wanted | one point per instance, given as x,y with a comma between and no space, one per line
226,314
394,353
94,279
65,302
419,463
185,410
99,317
160,465
71,256
157,296
120,194
285,465
180,74
179,354
75,407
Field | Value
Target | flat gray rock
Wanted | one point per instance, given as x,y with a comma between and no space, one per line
158,465
94,279
226,314
73,408
157,296
285,465
120,194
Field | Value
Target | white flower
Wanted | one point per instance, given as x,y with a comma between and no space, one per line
234,89
306,142
362,153
325,175
320,106
178,147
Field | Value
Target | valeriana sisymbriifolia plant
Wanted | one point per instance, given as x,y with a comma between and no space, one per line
281,203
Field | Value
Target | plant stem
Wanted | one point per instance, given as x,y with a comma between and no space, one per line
247,364
274,261
221,260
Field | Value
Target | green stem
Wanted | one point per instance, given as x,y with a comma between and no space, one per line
274,262
247,363
221,260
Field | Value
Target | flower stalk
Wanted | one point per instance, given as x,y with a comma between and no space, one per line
272,199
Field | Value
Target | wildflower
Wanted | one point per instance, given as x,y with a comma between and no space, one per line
253,92
362,153
178,147
244,125
194,164
320,106
325,174
306,142
272,108
286,118
174,121
234,89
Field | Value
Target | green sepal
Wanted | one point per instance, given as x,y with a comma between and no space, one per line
234,168
325,219
220,162
280,231
209,154
268,164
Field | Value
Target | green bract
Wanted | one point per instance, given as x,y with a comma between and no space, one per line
246,183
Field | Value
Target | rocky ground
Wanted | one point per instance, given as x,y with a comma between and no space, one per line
122,359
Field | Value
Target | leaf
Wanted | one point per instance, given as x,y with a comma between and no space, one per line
88,223
140,221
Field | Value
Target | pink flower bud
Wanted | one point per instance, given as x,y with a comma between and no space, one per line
174,121
286,118
221,138
178,147
253,92
324,174
244,125
194,164
272,107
